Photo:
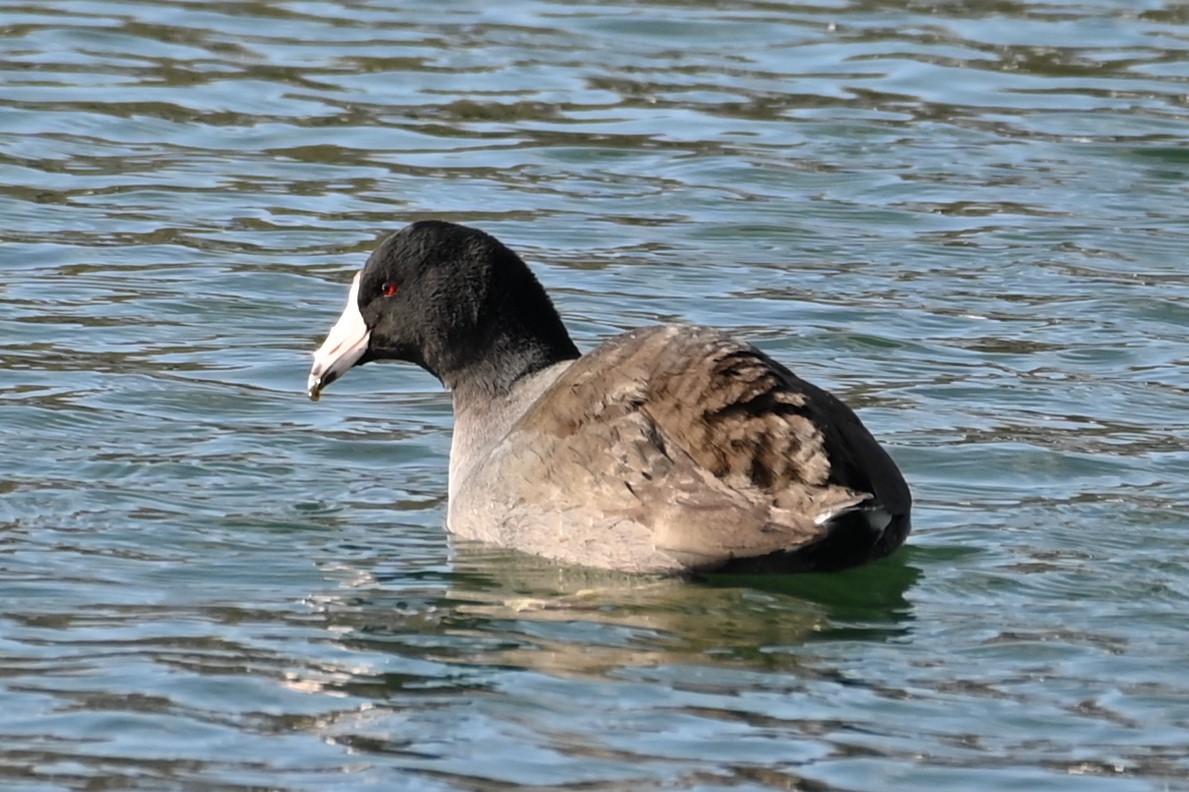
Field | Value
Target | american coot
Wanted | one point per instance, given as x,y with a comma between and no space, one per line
668,449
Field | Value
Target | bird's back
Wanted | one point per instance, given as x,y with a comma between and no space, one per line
678,448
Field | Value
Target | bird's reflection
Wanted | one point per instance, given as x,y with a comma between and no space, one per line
505,609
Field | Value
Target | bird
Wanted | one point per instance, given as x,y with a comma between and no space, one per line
672,449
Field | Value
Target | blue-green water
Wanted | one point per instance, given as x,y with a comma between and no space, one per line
970,220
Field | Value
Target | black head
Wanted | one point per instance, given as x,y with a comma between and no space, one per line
455,301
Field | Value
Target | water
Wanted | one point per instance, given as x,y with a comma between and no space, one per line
970,220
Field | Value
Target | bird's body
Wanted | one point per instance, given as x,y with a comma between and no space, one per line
667,449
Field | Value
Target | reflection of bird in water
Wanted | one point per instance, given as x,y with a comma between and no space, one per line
572,620
448,641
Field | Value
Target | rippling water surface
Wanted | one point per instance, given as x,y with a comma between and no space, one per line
969,219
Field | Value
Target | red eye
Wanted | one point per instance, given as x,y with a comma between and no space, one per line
389,289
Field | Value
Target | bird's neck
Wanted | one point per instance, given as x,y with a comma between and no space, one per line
499,361
515,333
481,420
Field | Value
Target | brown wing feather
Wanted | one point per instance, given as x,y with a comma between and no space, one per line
721,451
